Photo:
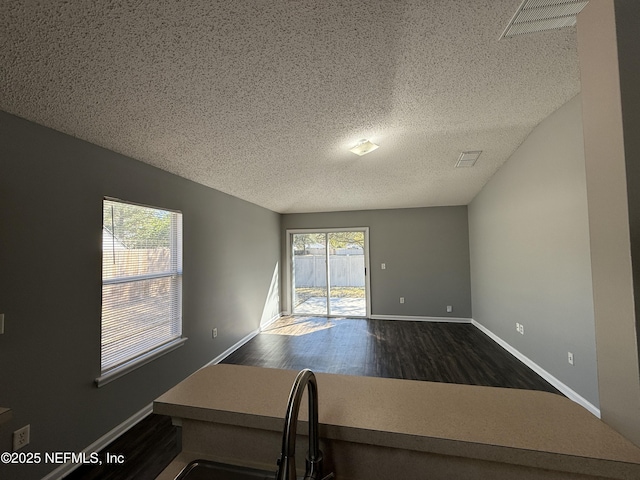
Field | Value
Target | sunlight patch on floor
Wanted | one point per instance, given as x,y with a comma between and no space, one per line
299,326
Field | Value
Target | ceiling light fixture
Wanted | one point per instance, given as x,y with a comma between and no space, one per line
363,147
468,159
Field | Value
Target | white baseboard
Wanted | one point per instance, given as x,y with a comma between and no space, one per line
101,443
408,318
231,349
110,436
114,433
240,343
566,390
270,321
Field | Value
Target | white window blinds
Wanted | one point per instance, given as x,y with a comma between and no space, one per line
141,282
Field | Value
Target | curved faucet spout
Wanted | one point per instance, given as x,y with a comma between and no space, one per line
287,461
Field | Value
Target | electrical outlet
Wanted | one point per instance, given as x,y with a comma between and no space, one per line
517,327
401,299
383,266
570,358
214,333
21,437
520,328
449,308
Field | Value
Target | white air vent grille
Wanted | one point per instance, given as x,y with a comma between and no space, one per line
541,15
468,159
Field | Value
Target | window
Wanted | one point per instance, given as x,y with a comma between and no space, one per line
141,286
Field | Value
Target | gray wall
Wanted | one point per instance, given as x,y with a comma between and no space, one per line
530,254
51,190
608,40
426,252
627,14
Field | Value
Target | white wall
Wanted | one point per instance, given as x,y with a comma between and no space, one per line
530,254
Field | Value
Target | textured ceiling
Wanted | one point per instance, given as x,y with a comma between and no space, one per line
262,99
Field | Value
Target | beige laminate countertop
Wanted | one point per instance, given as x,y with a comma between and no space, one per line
496,424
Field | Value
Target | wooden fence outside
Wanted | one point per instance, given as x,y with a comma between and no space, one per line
345,270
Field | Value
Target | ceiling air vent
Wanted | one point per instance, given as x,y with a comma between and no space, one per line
541,15
468,159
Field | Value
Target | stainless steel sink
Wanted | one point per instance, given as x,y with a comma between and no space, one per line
207,470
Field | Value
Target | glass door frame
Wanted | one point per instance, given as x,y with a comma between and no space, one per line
288,271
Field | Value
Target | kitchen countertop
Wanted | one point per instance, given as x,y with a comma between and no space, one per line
513,426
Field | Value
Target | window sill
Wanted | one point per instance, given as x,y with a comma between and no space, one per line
139,361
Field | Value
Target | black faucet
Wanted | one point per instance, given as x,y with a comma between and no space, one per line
287,461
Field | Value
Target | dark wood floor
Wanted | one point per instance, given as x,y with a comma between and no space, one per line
437,352
148,447
431,351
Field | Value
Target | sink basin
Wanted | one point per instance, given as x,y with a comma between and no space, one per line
208,470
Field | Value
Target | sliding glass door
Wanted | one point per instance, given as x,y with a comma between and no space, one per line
310,288
329,272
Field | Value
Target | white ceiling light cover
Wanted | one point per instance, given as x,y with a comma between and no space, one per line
541,15
363,147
